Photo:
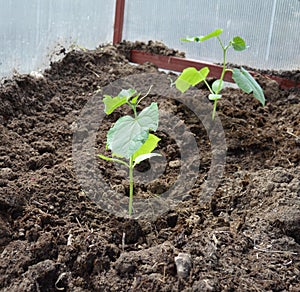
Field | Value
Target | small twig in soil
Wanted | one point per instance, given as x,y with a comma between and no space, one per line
164,271
123,241
290,131
274,251
78,222
70,239
288,263
97,75
60,277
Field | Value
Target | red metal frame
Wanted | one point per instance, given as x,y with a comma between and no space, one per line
176,63
119,19
179,64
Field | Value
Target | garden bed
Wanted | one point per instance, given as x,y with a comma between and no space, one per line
54,237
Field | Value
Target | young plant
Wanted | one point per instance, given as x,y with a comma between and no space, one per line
191,76
129,139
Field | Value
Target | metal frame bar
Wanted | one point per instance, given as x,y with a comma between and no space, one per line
179,64
176,63
119,20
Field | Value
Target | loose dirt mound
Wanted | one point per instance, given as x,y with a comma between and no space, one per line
53,237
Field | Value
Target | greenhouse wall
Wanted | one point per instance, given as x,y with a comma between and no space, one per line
270,27
32,31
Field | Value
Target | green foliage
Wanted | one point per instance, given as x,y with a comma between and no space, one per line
129,139
112,103
248,84
191,76
130,133
217,85
238,44
146,148
199,39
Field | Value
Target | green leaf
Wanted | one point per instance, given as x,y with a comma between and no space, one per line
129,134
134,100
238,44
217,86
147,147
191,39
248,84
214,97
143,157
190,77
111,103
128,93
213,34
198,39
241,80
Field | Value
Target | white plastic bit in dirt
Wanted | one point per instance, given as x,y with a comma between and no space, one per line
183,264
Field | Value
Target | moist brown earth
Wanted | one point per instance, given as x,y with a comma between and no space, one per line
55,237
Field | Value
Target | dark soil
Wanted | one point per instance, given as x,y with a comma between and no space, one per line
54,236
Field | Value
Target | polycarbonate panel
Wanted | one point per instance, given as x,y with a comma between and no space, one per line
30,30
271,28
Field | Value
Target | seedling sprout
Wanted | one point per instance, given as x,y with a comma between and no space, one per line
129,139
191,76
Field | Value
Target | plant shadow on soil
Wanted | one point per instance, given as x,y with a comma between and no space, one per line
54,237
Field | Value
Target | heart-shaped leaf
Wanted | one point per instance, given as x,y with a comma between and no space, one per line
190,77
111,103
238,44
129,133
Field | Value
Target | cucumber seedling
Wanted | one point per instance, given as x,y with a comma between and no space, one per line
129,139
191,76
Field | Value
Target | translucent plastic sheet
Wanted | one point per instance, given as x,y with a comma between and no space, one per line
271,28
30,30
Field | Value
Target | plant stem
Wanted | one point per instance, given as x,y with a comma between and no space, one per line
221,77
224,64
207,85
214,109
133,106
224,67
130,185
